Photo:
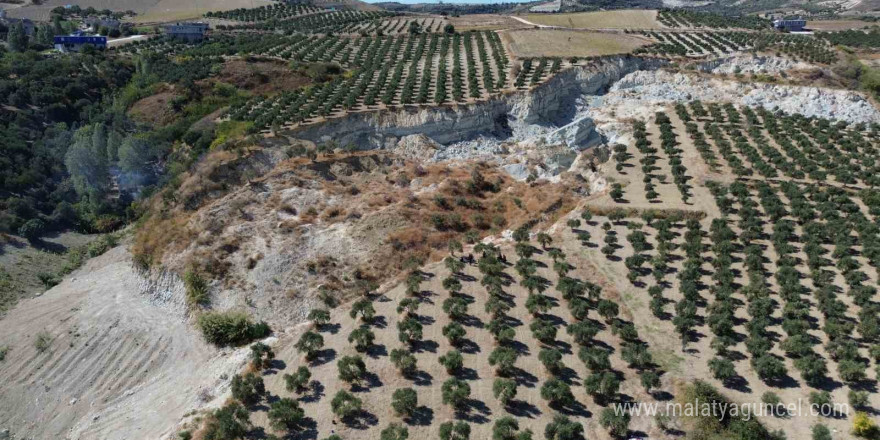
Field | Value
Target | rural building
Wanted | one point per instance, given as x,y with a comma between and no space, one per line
27,24
189,31
794,25
96,23
75,43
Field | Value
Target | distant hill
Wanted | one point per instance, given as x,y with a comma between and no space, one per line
347,4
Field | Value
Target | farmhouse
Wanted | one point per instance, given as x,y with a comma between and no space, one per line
76,43
189,31
795,25
26,23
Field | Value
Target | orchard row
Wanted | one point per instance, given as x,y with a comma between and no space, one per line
389,71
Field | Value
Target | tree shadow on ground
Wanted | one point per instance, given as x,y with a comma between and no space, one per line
323,356
422,416
521,408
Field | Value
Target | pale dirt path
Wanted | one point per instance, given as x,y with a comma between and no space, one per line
118,365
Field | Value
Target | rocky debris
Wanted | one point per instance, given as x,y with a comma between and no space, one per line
751,64
643,88
417,147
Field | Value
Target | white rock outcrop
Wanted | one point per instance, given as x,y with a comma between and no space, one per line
642,88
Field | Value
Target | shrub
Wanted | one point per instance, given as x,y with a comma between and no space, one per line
32,229
196,289
229,422
345,405
455,431
821,432
299,380
863,426
858,399
285,413
319,316
456,392
820,398
231,328
248,389
722,369
43,341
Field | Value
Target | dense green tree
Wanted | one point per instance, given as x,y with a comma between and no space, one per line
405,401
557,392
345,405
616,423
248,389
299,380
563,428
285,414
456,392
452,361
455,431
352,369
504,390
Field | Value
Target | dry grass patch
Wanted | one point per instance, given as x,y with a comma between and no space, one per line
563,43
620,19
837,25
484,22
171,10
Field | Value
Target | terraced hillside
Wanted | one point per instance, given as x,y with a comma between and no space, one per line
730,247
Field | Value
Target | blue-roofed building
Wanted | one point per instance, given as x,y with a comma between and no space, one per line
75,43
793,25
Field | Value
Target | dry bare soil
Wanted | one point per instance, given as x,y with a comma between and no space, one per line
619,19
564,43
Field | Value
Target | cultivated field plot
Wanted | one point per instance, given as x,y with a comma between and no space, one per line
702,43
388,71
562,43
494,346
43,11
779,280
715,256
402,25
171,10
484,22
275,11
618,19
680,18
837,25
329,21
